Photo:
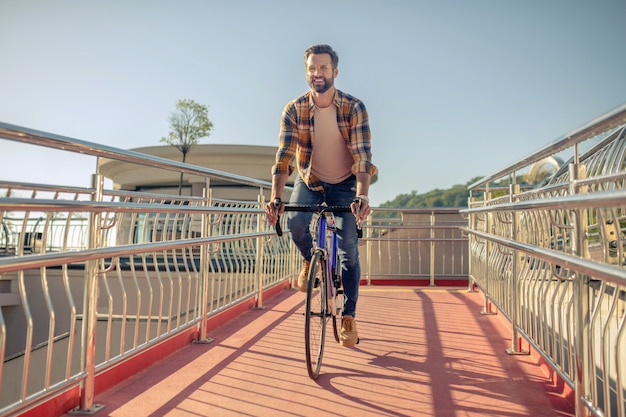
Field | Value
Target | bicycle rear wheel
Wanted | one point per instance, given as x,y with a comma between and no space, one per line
316,315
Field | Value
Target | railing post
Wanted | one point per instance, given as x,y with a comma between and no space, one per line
294,258
432,248
488,247
260,248
204,267
90,309
582,388
516,342
470,237
368,251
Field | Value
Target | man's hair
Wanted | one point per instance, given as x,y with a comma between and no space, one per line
322,49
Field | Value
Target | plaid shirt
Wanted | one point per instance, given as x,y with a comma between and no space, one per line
297,136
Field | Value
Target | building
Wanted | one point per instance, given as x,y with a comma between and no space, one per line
250,161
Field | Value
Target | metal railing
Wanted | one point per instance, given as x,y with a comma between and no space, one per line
416,246
125,269
550,254
91,278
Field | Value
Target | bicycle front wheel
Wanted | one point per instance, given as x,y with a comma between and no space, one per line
316,314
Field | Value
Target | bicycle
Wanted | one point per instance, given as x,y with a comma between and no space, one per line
324,296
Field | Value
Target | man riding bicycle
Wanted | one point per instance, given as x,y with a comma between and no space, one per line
325,133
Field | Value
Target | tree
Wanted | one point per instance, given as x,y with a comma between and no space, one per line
456,196
188,124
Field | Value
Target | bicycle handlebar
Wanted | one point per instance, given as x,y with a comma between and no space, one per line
317,208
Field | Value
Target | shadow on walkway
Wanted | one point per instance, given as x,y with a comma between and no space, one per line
423,352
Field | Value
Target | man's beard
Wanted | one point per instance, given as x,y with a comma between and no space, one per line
328,82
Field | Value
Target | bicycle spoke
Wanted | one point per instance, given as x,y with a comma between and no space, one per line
316,316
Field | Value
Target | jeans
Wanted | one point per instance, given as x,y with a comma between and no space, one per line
340,194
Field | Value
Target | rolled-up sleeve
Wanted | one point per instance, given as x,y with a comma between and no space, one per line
287,142
360,139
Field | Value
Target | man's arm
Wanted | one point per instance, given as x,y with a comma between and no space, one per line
363,183
278,185
362,188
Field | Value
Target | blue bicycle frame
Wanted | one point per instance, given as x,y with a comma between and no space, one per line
333,266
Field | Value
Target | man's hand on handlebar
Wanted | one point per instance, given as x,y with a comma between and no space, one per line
273,210
361,208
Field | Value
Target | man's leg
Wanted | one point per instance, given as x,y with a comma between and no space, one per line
343,194
299,222
299,226
351,266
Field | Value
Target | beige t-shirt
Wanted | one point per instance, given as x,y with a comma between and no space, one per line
331,159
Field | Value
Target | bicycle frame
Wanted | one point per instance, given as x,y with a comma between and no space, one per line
329,245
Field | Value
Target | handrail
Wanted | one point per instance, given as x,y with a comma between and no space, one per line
50,140
17,263
599,199
602,271
595,127
26,204
423,210
44,187
553,261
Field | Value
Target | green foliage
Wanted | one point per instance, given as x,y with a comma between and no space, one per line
456,196
188,124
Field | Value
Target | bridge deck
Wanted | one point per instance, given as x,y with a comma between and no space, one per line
423,352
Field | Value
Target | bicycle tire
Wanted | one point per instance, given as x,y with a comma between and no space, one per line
336,317
316,314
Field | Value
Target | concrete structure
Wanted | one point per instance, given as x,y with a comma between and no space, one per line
244,160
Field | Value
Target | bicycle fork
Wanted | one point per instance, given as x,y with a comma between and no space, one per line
335,287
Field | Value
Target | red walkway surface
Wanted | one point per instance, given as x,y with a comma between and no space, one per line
423,352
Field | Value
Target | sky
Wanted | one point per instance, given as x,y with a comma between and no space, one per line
455,89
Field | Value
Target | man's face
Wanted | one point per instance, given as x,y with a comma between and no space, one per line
320,72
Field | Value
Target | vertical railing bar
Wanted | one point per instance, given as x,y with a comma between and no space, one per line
516,348
470,259
90,305
597,308
49,306
157,270
131,262
260,248
29,335
204,266
604,331
581,311
70,301
168,272
487,287
175,280
124,295
144,263
432,249
187,233
618,359
109,327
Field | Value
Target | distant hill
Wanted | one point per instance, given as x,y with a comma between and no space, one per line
456,196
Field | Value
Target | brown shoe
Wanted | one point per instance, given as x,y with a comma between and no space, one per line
349,335
303,278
